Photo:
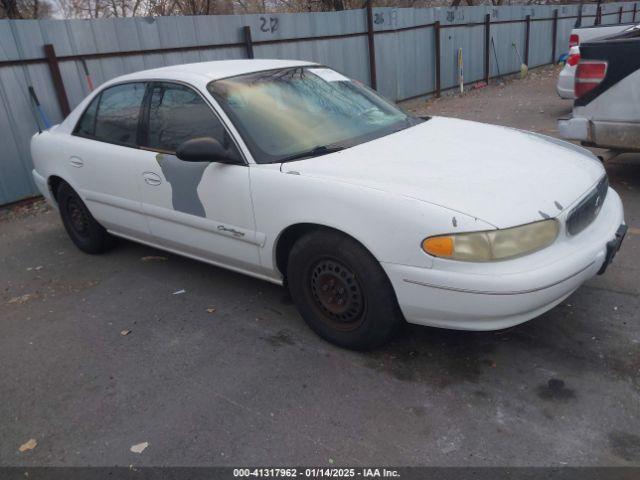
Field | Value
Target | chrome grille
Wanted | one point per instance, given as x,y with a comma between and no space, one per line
587,210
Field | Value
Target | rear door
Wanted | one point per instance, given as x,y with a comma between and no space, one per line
201,209
102,153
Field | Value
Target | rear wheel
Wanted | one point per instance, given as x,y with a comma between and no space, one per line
85,232
342,291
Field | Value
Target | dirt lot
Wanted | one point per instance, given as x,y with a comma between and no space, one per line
99,353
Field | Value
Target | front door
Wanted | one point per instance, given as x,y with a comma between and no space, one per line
202,209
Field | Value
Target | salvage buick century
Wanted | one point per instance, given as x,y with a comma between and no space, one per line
290,172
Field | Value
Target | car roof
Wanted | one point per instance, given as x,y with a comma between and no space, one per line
204,72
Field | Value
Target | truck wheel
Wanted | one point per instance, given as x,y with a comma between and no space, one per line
87,234
342,291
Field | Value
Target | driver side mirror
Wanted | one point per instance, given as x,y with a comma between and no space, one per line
206,149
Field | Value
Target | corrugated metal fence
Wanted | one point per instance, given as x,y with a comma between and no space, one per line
402,52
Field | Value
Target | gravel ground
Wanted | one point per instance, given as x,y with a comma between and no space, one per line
99,354
529,104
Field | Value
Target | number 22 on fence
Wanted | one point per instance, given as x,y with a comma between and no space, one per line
460,71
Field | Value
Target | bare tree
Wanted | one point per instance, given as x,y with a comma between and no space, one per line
23,9
456,3
82,8
249,6
130,8
204,7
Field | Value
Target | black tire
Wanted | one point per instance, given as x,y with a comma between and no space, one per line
341,291
85,232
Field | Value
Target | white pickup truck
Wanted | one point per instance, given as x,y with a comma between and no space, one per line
565,85
606,111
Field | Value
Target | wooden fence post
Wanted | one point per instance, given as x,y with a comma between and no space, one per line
58,85
526,39
487,46
248,41
554,37
436,30
372,47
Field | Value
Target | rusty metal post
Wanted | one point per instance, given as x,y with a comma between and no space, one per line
554,36
436,30
578,23
527,36
372,46
58,85
248,41
487,46
620,15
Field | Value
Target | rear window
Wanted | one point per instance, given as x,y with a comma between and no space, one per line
87,124
113,116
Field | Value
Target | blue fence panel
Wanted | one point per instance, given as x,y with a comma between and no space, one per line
405,56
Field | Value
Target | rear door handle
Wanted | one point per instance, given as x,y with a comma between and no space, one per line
152,178
76,162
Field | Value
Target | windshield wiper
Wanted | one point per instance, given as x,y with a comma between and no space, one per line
314,152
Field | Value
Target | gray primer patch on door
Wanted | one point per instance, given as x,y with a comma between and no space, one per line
184,178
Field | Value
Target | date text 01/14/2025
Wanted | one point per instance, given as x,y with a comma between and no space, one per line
317,472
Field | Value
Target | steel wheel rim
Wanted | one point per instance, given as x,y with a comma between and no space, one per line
78,218
337,294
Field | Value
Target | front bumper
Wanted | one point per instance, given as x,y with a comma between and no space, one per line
613,246
491,296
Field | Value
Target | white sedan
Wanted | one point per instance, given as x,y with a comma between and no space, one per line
290,172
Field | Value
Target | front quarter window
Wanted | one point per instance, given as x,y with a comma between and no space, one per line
285,112
176,114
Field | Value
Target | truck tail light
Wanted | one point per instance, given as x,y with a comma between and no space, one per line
589,75
573,59
574,40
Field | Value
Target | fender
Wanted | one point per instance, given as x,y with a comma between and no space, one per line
390,226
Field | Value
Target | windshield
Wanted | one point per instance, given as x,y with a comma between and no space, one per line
300,112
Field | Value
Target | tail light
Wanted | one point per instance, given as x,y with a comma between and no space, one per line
574,40
573,59
589,75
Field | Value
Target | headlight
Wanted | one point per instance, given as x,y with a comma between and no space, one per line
493,244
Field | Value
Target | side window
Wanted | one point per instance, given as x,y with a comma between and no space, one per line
117,113
176,114
87,125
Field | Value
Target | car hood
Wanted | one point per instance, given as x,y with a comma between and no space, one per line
503,176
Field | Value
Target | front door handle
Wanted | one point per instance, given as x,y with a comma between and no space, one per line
76,162
152,178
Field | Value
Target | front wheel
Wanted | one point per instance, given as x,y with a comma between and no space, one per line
342,291
85,232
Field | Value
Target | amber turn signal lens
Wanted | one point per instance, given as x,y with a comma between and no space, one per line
438,246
